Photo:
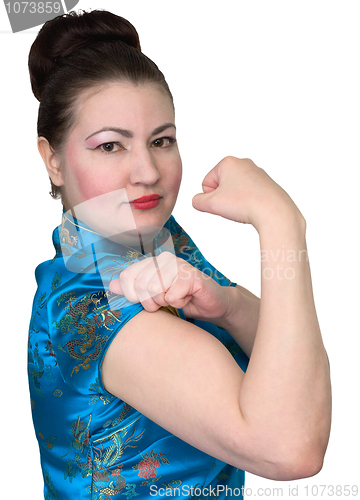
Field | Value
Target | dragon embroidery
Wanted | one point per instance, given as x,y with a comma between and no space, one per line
82,318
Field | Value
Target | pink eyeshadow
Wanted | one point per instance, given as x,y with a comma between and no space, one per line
93,142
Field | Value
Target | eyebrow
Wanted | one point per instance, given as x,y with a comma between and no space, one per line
128,134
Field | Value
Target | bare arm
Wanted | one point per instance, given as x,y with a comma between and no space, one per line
242,320
274,420
288,342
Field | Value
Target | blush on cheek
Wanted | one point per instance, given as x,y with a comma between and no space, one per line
85,186
82,181
176,180
89,185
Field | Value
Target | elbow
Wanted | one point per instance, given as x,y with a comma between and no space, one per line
286,454
299,462
299,467
287,460
284,464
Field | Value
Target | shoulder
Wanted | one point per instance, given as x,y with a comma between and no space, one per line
179,376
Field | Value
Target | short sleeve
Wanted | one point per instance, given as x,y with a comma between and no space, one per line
83,319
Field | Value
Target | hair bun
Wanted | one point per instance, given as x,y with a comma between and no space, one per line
66,34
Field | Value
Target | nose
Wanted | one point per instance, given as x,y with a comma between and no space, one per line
143,168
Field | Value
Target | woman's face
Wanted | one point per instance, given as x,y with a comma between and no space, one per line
122,148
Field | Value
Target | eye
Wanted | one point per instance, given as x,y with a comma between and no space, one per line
110,147
163,142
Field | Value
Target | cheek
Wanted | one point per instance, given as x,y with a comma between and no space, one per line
174,180
90,185
85,179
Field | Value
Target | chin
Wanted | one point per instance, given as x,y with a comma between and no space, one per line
137,238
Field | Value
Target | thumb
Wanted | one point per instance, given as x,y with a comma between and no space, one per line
203,202
210,185
115,287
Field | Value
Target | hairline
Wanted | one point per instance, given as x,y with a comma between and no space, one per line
88,91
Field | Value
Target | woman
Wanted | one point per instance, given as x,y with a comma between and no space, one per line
129,400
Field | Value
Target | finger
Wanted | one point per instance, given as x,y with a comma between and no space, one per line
179,302
210,185
167,271
207,189
142,283
152,305
152,295
115,286
203,202
149,289
184,286
211,180
168,267
147,280
134,278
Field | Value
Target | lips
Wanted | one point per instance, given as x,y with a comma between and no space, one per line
144,199
146,202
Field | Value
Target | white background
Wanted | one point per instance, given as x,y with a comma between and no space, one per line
274,81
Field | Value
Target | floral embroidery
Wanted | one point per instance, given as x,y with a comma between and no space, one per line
148,466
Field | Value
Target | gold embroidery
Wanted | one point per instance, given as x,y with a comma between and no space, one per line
171,310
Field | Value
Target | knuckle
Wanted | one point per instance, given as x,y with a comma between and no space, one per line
166,258
140,284
154,287
125,277
170,297
233,160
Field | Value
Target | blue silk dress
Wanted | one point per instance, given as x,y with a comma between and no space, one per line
92,444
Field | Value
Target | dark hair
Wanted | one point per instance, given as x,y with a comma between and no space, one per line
75,52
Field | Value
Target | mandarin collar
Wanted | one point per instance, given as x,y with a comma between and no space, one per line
81,247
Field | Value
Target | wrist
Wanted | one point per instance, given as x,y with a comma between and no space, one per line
283,220
235,304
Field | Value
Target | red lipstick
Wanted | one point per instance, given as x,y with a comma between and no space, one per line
146,202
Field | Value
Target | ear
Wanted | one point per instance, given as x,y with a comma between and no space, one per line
51,161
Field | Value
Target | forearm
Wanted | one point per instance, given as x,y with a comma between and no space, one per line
286,389
242,320
284,396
